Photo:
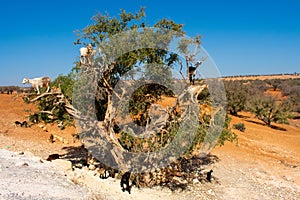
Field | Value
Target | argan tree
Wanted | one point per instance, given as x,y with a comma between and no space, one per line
115,97
267,110
237,95
129,49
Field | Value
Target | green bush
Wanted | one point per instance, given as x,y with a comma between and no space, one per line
239,126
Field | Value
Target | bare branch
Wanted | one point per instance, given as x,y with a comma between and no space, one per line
47,112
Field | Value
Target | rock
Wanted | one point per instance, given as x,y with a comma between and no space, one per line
211,192
92,167
66,141
195,180
65,164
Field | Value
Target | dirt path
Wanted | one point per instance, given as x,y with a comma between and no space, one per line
265,164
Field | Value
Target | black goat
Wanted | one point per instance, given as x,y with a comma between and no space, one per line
24,123
17,123
125,181
208,175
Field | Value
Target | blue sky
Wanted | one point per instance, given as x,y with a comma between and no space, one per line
242,36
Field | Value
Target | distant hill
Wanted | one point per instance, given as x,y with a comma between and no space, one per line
7,89
262,77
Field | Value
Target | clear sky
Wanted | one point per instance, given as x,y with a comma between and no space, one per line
242,36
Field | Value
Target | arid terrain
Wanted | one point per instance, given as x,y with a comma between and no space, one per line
263,77
263,164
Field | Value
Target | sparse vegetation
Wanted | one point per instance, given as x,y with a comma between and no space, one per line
241,95
237,96
266,109
239,126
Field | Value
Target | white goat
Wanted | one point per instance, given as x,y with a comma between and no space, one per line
87,54
38,83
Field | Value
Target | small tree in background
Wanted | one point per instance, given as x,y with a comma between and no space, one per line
291,89
266,110
275,83
237,96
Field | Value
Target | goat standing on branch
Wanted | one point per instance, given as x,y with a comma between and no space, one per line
38,83
87,54
192,72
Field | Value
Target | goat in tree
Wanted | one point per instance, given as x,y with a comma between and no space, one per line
38,83
87,54
191,71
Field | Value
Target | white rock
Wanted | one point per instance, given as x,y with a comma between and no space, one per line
65,164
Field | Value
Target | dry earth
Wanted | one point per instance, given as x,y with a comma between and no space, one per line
264,164
263,77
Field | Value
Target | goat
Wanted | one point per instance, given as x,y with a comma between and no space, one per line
38,83
17,123
24,123
208,175
192,72
87,54
125,181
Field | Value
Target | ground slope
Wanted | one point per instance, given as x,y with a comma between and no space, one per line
264,164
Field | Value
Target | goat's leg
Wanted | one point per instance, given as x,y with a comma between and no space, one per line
38,89
48,88
81,59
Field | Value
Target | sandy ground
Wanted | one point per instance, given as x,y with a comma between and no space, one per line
263,77
264,164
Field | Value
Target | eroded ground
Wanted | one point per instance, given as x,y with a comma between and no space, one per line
264,164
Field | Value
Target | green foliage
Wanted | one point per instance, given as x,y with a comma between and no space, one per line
237,96
66,84
266,109
291,89
220,131
240,126
157,63
184,44
119,51
51,108
227,134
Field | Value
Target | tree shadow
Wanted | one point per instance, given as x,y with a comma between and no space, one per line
278,128
179,175
183,172
296,117
77,155
255,122
263,124
242,116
